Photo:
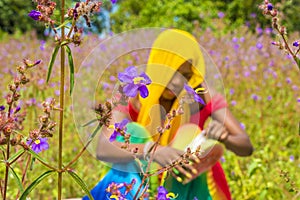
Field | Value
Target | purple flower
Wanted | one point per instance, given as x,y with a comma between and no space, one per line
253,68
2,108
246,73
41,81
242,126
162,193
194,94
233,103
39,144
235,40
254,97
113,1
295,87
253,15
18,108
118,128
222,159
288,80
259,30
296,43
134,82
105,85
259,45
231,91
268,30
34,14
112,78
269,98
270,6
57,92
298,100
292,158
221,15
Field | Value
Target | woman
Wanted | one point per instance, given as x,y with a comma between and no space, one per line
175,59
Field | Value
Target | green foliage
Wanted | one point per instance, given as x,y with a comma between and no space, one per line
182,13
13,17
179,14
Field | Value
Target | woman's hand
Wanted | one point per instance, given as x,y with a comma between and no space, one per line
166,156
216,131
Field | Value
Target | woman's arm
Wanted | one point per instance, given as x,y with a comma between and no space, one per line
233,136
228,129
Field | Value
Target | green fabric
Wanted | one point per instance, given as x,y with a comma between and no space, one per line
139,134
196,188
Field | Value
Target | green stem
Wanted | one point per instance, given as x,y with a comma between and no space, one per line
61,101
7,157
6,170
83,149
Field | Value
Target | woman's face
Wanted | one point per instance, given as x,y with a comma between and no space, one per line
174,87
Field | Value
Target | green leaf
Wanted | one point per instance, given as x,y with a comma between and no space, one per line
2,148
63,24
15,156
71,65
82,184
19,182
35,183
90,122
51,63
95,132
298,62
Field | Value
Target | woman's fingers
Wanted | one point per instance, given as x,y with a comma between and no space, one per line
215,130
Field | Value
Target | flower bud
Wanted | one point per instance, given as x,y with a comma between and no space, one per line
21,69
16,96
274,13
34,134
17,81
24,79
12,87
9,99
282,30
3,140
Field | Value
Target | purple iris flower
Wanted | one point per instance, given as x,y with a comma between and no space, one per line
118,128
193,93
34,14
162,193
2,108
113,1
39,144
134,82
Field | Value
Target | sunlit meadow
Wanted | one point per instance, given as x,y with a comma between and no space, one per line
262,89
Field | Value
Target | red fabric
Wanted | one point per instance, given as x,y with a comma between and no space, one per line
133,113
217,102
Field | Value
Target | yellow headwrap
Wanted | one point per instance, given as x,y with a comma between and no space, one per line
169,51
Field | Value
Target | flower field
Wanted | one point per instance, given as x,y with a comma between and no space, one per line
262,88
